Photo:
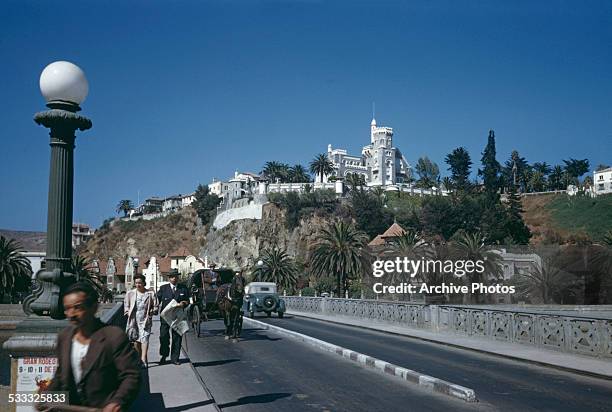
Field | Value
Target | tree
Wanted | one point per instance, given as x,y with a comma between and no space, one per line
555,180
15,268
205,203
491,168
515,226
472,247
411,245
299,174
125,206
355,181
546,281
429,173
340,251
321,166
576,168
601,167
369,212
276,171
83,269
278,267
537,181
459,163
542,167
447,183
516,172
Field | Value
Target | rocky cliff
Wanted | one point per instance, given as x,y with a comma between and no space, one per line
236,245
239,243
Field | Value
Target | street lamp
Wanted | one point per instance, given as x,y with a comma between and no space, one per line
64,87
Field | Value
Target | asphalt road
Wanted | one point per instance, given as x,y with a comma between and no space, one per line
507,385
266,372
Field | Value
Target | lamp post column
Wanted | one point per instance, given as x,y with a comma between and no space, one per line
64,87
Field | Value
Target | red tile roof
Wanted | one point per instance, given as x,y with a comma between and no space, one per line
394,231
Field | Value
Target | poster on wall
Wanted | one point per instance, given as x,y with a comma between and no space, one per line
34,375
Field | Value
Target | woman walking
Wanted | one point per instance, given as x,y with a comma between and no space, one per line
140,304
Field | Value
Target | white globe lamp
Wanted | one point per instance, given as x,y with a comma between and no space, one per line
63,81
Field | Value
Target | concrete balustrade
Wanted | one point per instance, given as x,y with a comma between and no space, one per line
589,334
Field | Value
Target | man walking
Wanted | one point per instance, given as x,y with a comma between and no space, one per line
165,294
97,365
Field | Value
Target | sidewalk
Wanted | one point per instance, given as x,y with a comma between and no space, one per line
171,387
575,363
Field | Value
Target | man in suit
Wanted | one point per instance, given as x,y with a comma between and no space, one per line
165,294
97,365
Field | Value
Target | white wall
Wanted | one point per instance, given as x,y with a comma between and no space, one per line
252,211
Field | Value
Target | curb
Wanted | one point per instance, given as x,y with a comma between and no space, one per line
199,378
408,375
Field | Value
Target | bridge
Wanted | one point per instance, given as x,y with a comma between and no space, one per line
357,355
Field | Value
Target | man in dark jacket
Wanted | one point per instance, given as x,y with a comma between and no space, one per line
165,294
97,365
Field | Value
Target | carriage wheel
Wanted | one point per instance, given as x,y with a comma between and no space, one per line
196,319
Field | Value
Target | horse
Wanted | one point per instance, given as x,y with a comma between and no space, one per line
229,301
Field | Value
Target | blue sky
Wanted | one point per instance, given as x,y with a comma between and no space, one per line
181,92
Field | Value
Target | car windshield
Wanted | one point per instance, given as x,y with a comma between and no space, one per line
263,289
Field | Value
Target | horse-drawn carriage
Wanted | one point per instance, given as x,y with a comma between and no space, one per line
208,289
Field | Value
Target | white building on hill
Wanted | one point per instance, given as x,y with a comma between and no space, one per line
380,163
602,181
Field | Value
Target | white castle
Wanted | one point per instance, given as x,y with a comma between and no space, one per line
380,163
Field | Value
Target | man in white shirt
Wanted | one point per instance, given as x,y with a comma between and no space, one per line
97,365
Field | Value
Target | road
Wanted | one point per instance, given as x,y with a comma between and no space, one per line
507,385
267,372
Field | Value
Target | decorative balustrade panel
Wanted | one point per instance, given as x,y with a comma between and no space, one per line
551,331
576,334
584,336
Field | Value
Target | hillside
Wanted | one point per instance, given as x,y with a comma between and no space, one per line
560,218
30,241
552,219
236,245
160,236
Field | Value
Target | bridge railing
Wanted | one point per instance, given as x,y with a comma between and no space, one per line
585,335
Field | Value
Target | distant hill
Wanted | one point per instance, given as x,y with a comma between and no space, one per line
559,218
29,241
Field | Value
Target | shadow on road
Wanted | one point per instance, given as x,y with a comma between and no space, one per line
214,363
155,401
265,398
247,335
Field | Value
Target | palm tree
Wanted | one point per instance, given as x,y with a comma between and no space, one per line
278,267
411,245
546,280
276,171
299,174
448,183
380,194
542,167
83,269
15,268
555,179
355,181
321,166
471,247
340,251
125,206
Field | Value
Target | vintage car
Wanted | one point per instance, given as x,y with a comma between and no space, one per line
263,297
